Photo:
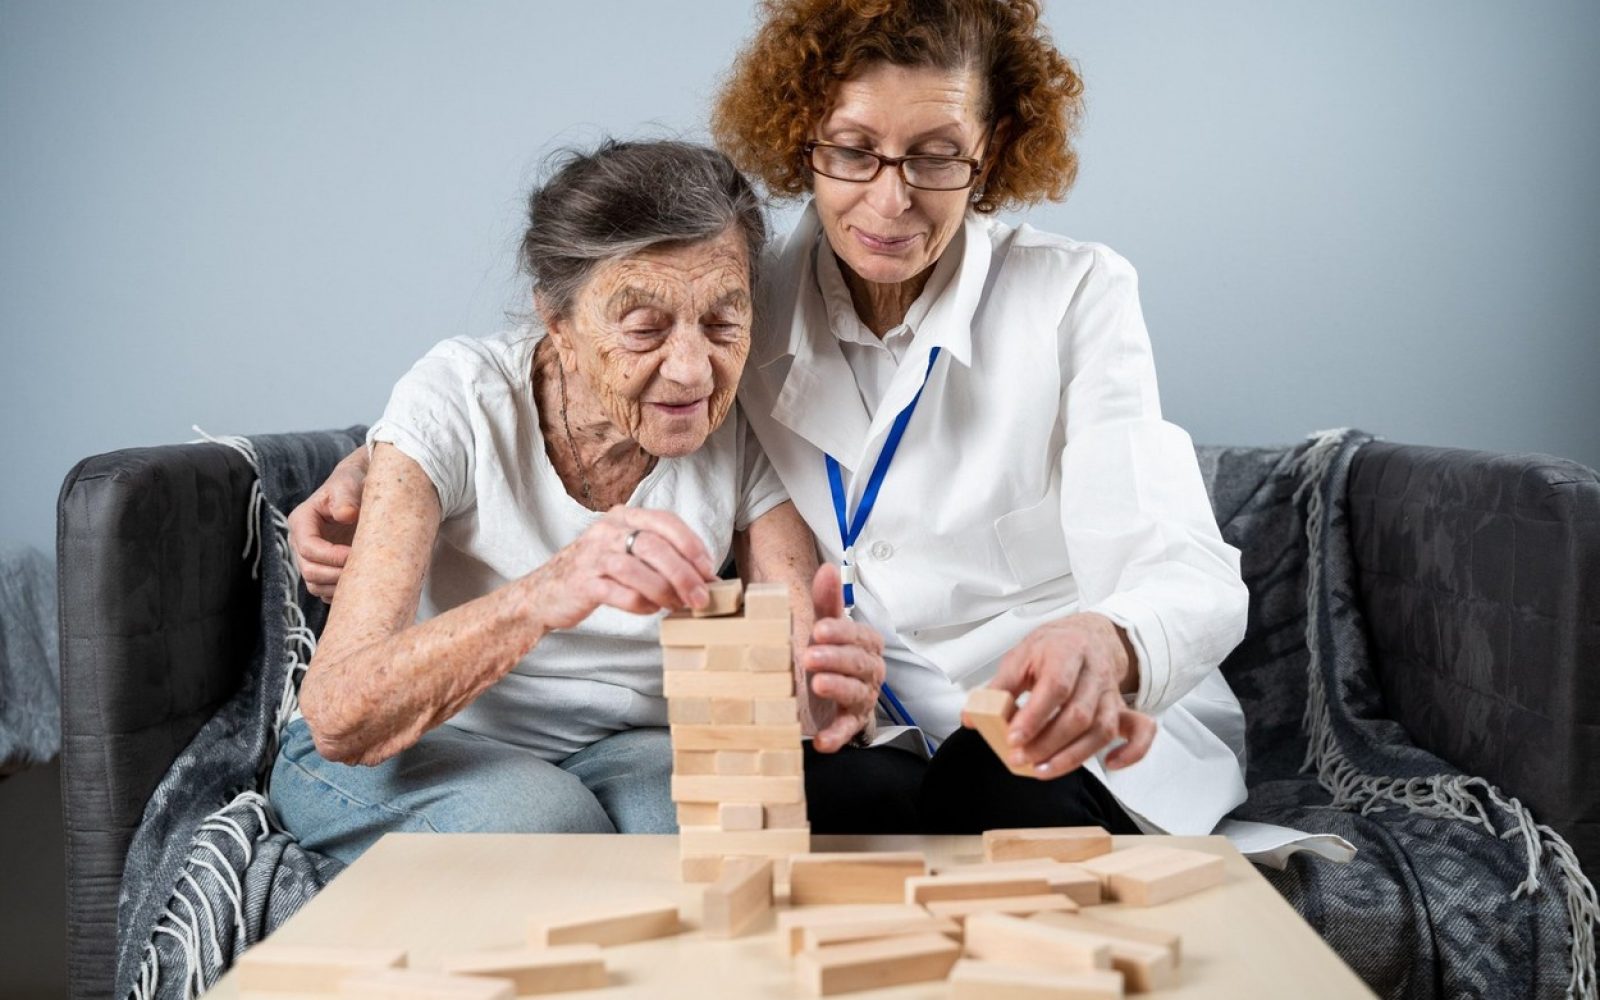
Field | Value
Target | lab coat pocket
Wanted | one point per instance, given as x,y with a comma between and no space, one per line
1034,544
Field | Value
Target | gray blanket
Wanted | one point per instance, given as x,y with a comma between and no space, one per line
30,669
1456,892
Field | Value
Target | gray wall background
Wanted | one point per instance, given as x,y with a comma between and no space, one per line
254,217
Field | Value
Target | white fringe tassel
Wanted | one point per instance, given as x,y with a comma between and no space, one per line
196,936
1442,795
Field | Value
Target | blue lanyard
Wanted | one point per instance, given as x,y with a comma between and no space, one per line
850,527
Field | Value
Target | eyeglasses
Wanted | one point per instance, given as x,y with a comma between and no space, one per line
929,173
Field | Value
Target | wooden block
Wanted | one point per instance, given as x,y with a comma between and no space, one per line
865,965
736,788
774,711
1018,906
977,979
683,658
792,924
1060,843
689,711
732,712
686,630
820,935
726,657
926,888
739,898
736,737
694,762
781,762
737,762
726,684
410,984
1074,881
767,600
762,843
734,816
617,923
700,867
536,970
1147,962
699,814
988,710
726,597
1167,879
281,968
853,877
768,659
785,815
1002,938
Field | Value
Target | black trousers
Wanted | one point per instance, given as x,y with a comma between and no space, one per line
965,788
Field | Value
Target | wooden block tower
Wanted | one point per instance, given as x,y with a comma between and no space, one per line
736,758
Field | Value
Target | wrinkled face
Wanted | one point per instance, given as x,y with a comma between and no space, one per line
660,339
885,231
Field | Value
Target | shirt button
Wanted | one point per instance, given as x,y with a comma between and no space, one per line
881,549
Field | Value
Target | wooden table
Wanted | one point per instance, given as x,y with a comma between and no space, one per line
434,894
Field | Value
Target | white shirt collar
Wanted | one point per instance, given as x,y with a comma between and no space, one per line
842,317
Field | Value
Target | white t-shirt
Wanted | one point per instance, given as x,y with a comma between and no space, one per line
466,414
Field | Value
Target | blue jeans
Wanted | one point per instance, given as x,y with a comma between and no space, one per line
453,781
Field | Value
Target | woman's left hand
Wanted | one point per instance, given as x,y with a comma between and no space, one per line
1075,670
843,666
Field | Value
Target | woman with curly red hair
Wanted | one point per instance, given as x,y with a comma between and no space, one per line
966,415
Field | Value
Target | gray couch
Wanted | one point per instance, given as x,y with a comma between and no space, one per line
1465,561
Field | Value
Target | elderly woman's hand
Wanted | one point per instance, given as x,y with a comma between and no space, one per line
1074,670
635,560
322,527
844,666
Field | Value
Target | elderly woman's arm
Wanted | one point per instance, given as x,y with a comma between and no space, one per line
378,681
840,661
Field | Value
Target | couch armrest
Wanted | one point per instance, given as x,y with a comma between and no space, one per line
1480,582
158,617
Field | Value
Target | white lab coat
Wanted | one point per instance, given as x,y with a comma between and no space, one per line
1036,479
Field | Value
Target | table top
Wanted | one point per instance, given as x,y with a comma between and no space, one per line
441,894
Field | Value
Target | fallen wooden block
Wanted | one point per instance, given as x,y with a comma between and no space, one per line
1073,881
925,888
680,629
725,599
1147,876
866,930
283,968
700,867
1018,906
1170,940
978,979
737,788
726,684
853,877
700,840
607,925
1061,843
767,600
536,970
865,965
735,816
1144,965
1002,938
989,710
784,737
792,924
410,984
739,898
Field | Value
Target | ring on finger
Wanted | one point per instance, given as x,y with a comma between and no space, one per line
633,536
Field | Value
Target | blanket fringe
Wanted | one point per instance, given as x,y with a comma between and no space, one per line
1452,796
198,933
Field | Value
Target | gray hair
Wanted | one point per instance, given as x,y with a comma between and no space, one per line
627,197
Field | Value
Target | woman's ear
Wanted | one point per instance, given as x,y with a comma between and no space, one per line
559,330
997,141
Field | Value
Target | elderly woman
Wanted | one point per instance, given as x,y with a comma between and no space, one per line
540,495
965,413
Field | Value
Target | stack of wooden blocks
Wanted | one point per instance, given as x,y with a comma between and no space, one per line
737,777
1009,926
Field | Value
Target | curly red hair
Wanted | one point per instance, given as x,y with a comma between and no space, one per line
783,82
